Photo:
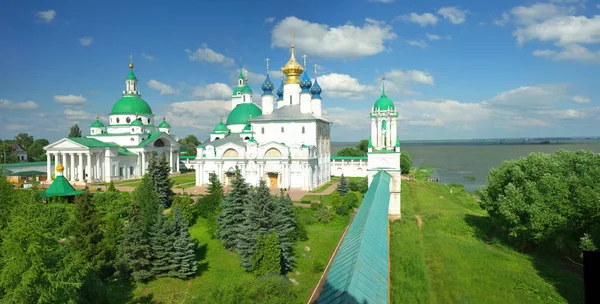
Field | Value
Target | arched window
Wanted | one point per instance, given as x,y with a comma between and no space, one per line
216,138
118,120
302,130
262,130
290,99
128,120
383,125
132,130
148,120
244,98
246,138
273,153
159,143
230,153
281,129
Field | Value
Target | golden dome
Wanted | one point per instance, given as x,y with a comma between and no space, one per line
292,69
60,168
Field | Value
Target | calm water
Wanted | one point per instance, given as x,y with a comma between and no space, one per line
453,161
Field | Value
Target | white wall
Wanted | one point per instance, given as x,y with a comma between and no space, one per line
350,168
292,132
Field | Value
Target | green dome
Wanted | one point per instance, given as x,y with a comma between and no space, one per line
242,112
384,103
221,128
97,124
248,128
246,89
236,90
137,123
131,104
131,75
164,124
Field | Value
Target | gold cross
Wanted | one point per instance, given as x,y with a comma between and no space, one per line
293,38
267,60
130,59
304,56
315,68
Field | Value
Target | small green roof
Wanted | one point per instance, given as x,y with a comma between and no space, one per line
153,136
200,147
246,89
236,90
131,104
92,142
125,152
61,187
221,128
97,124
242,113
252,139
241,73
397,142
383,103
137,123
164,124
131,75
248,127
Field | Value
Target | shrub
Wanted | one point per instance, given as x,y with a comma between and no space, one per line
405,162
208,204
317,267
316,206
324,215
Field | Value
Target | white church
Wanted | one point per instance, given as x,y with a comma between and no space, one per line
285,141
120,150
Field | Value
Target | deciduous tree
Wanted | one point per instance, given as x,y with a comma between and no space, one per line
75,131
405,162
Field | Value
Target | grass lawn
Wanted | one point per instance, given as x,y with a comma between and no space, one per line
447,260
324,187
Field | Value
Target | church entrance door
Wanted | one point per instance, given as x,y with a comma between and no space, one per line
273,180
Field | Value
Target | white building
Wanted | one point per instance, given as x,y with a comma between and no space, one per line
285,141
120,150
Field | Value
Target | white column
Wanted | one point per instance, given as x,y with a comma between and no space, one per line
171,160
88,167
107,172
72,166
177,161
143,166
197,167
80,167
49,166
97,174
373,131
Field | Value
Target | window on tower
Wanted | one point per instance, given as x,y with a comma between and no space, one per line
281,129
302,130
128,120
262,130
118,120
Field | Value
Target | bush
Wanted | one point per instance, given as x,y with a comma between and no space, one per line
317,267
305,202
405,162
316,206
324,215
208,204
187,207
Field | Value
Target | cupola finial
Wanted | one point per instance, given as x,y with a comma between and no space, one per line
267,60
383,85
131,61
304,57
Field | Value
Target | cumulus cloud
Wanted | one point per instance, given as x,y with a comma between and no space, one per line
344,86
269,20
164,89
86,41
503,20
542,97
581,99
15,105
206,54
525,15
70,100
419,43
423,20
200,115
353,119
402,81
148,57
213,91
433,37
345,41
46,16
78,115
453,14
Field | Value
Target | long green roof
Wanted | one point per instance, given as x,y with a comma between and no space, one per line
92,142
131,104
359,272
61,187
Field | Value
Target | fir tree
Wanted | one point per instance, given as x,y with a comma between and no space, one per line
215,186
162,238
87,231
184,258
231,218
267,255
260,220
158,172
145,196
210,205
134,249
285,225
343,187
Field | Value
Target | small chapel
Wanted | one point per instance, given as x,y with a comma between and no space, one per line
119,150
281,137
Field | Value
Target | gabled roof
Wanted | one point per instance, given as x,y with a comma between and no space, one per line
125,152
16,147
225,140
359,272
61,187
153,136
92,142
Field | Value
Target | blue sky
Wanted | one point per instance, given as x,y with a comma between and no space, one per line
455,69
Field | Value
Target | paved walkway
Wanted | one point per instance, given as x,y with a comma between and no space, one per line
330,189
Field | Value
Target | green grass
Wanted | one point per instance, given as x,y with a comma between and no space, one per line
324,199
448,260
324,187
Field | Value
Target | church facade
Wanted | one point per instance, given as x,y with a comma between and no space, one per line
120,150
284,141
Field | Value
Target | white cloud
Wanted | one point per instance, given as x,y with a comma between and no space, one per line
46,16
537,12
213,91
78,116
148,57
201,115
562,30
454,14
422,20
573,52
544,53
205,54
542,97
402,81
433,37
580,99
353,119
419,43
444,112
270,19
164,89
503,21
344,86
86,41
15,105
346,41
70,100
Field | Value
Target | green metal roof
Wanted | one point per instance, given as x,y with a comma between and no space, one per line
187,156
360,271
131,104
29,164
236,90
61,187
137,123
92,142
164,124
125,152
221,128
246,89
242,112
97,124
131,75
397,141
27,173
383,103
349,157
152,137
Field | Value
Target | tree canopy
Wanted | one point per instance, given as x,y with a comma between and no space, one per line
75,131
405,162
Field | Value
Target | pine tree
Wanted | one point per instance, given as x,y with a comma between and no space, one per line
231,218
215,199
162,238
343,187
158,172
267,256
87,231
215,186
260,220
285,225
184,257
134,249
147,198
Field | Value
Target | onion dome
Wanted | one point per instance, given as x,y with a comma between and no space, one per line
292,69
221,127
280,91
383,103
316,89
97,123
268,86
305,83
164,124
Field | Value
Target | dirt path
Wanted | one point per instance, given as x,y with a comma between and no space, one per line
329,190
419,221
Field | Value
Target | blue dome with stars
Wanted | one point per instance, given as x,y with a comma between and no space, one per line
305,83
280,91
316,90
268,86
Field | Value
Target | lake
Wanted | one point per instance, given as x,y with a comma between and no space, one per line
452,161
